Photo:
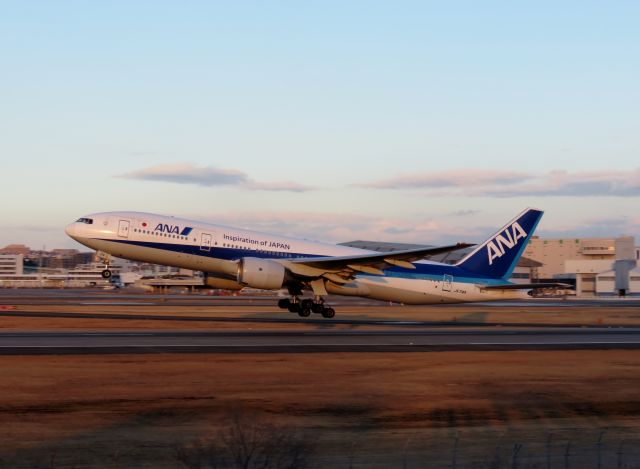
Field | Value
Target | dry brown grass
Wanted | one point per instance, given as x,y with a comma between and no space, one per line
135,408
360,409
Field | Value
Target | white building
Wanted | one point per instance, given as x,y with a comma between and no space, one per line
615,276
607,284
82,276
11,264
555,253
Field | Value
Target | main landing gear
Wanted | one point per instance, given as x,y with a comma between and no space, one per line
305,307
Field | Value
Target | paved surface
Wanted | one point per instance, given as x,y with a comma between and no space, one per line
382,334
319,341
96,297
277,317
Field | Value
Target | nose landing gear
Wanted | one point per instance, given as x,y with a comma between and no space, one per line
106,258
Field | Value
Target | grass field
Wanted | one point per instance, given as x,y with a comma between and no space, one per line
382,410
573,409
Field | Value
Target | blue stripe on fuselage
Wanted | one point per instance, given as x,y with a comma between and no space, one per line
436,272
228,254
437,275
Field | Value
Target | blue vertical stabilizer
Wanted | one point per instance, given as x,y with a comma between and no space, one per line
498,256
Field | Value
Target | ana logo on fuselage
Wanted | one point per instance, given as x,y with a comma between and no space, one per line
171,229
504,241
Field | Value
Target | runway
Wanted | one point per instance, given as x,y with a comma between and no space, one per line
282,318
94,297
318,341
41,322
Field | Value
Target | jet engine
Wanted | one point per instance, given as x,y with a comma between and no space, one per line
260,273
221,283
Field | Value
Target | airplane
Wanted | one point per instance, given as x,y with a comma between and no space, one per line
233,258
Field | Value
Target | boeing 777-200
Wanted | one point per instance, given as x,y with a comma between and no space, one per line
234,258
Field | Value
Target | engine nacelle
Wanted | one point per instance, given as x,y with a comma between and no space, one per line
261,273
221,283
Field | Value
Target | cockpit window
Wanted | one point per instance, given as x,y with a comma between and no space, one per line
88,221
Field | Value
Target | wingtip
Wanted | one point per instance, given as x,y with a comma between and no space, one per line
463,245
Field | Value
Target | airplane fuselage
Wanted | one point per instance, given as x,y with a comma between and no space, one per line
218,250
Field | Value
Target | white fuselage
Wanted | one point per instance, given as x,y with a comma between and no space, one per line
217,249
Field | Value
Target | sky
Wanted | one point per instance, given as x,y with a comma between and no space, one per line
404,121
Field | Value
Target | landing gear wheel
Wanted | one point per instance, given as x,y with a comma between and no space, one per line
305,308
294,307
284,303
106,258
328,313
317,308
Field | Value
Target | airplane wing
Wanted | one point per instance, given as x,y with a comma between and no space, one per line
342,268
526,286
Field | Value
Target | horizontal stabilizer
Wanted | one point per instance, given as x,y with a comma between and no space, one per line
526,286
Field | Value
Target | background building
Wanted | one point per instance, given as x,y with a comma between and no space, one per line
599,266
16,249
11,264
553,253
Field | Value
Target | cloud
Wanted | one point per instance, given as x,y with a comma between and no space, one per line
563,183
189,174
485,183
278,186
208,176
464,213
448,179
600,227
337,227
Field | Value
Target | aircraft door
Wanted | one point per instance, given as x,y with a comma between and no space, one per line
123,228
447,280
205,242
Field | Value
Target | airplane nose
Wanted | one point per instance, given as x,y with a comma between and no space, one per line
71,229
